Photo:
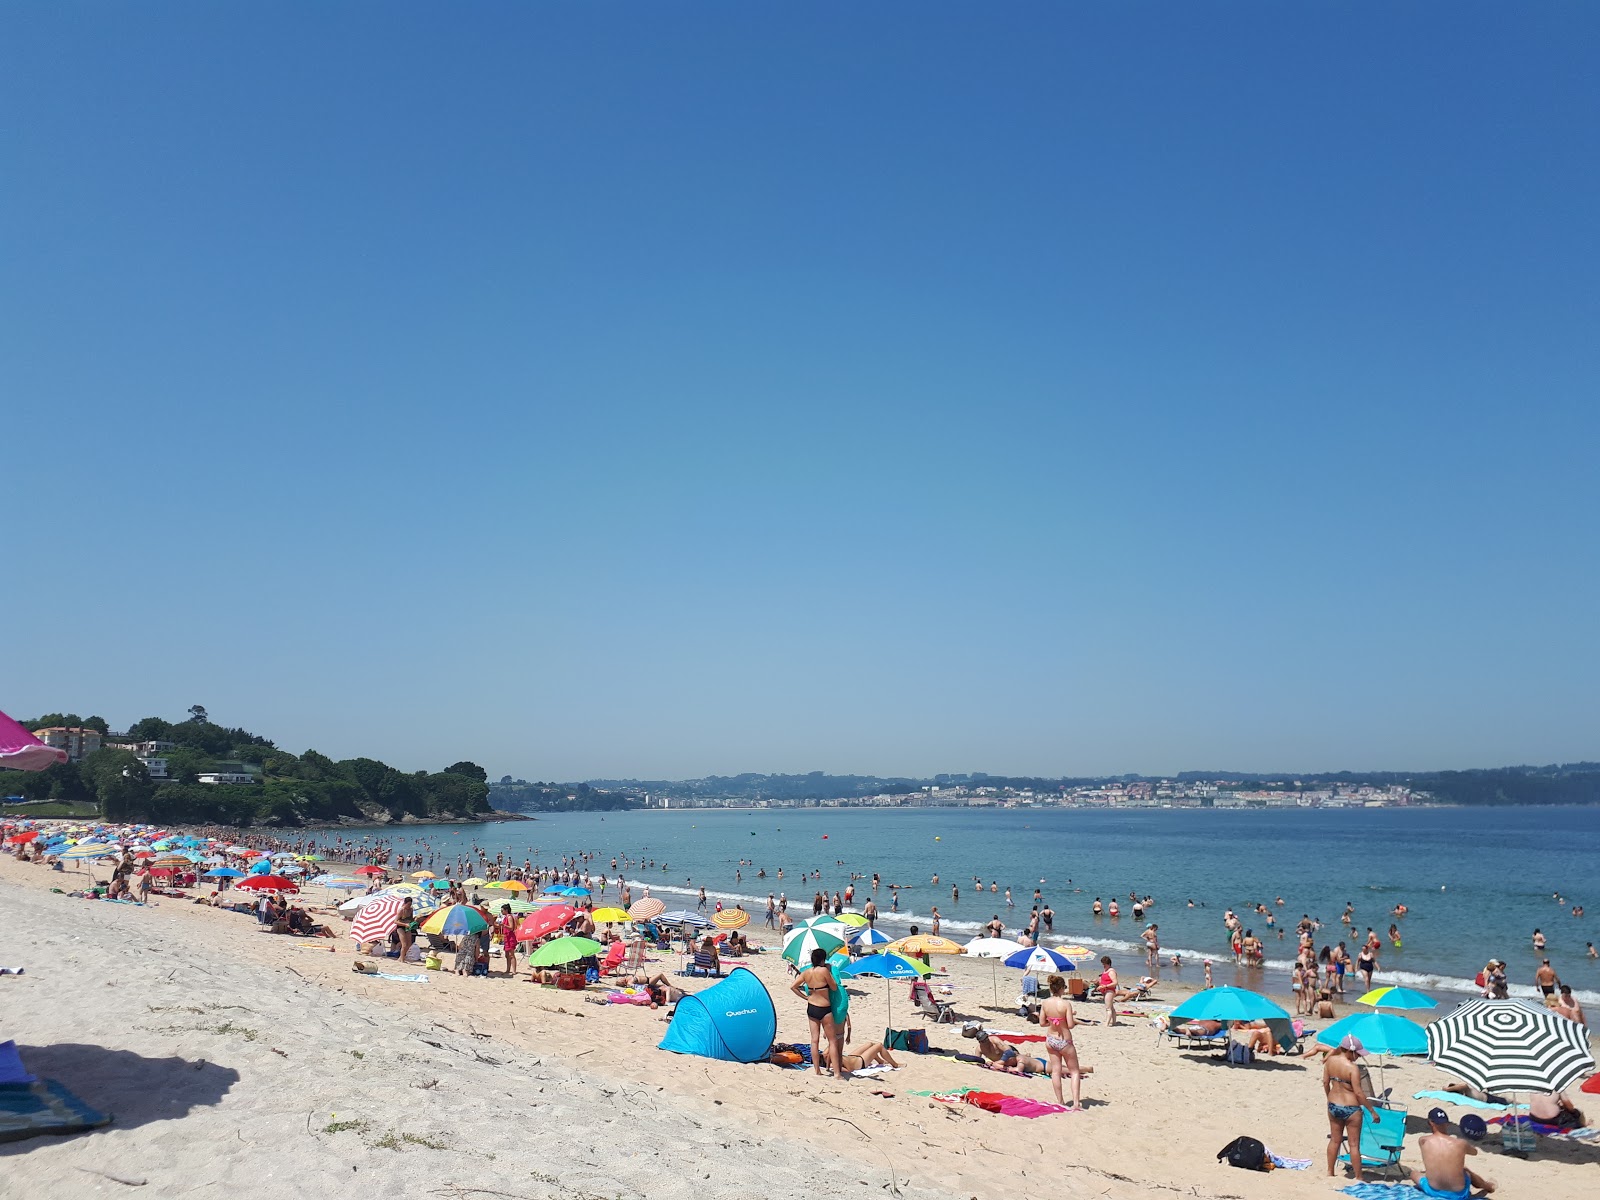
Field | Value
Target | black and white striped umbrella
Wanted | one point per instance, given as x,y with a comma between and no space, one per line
1506,1046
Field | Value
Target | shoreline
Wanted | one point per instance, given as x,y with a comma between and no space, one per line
193,982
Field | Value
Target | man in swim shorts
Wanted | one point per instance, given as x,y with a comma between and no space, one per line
1444,1173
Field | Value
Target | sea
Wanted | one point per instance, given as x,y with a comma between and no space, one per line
1477,881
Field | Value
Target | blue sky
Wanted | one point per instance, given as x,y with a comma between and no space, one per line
666,390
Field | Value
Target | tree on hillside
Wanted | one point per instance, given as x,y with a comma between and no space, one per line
197,714
150,729
470,769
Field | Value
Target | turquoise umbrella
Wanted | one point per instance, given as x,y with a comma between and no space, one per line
1378,1033
1227,1004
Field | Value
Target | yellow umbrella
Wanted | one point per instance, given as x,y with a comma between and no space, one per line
851,918
473,882
924,943
609,916
731,918
423,875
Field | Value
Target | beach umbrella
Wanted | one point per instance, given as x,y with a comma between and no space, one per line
1039,958
371,870
885,966
1397,997
21,751
377,918
264,883
1227,1004
1506,1046
1076,953
455,920
519,906
261,866
926,943
25,836
474,882
545,921
991,947
1378,1033
554,889
683,916
224,873
561,951
851,918
406,889
866,935
439,885
576,891
422,875
832,924
333,881
643,910
516,885
731,918
797,947
609,916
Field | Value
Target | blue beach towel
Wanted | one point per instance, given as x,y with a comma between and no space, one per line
1384,1191
1457,1098
28,1110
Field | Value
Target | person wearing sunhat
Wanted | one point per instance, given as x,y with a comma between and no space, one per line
1346,1096
1444,1174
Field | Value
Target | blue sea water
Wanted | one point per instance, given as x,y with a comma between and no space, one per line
1477,881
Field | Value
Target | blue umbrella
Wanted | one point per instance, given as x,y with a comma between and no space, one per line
1039,958
1378,1033
889,966
1227,1004
575,891
682,917
223,873
868,936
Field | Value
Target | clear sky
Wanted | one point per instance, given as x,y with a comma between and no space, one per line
661,390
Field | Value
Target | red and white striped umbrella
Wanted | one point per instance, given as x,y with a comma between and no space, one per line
643,910
377,919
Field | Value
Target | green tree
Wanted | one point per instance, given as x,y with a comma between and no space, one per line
150,729
470,769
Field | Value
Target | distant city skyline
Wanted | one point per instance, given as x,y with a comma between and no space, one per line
1062,391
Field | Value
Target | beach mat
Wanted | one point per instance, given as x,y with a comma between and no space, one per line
1458,1098
28,1110
1384,1191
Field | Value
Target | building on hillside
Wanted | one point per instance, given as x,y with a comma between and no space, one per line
229,777
78,742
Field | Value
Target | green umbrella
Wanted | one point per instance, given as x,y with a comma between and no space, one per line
563,951
797,947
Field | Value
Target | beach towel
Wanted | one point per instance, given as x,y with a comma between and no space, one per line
995,1102
869,1071
1543,1129
12,1072
1289,1164
398,978
28,1110
1384,1191
1457,1098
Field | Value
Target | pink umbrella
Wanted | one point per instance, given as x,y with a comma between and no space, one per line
21,751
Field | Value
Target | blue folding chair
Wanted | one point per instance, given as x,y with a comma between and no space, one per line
1382,1139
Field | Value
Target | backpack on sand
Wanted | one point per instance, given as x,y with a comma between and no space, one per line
1245,1153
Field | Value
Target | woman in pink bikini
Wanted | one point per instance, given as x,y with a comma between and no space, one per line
1055,1014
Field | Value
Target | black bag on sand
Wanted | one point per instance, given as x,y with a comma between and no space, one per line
1245,1153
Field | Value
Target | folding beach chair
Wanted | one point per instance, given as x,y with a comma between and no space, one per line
1382,1140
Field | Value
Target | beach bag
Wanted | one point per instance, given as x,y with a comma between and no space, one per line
1245,1153
898,1039
1239,1053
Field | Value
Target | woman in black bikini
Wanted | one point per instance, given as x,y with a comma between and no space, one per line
813,985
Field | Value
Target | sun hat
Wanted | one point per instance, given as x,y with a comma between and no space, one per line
1473,1127
1353,1044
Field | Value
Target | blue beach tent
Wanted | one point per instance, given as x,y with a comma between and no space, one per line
733,1020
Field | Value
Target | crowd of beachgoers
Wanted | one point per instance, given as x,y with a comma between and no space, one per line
583,922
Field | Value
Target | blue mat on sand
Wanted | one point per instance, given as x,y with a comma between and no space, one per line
27,1110
1457,1098
1383,1191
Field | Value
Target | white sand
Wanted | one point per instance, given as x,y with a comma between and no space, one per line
227,1056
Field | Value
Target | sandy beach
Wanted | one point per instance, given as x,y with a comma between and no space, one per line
232,1058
